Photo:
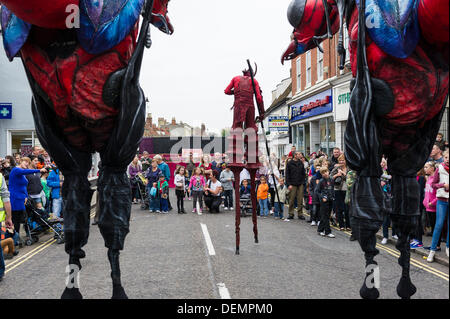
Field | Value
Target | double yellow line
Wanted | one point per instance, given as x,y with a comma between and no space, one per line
17,262
414,262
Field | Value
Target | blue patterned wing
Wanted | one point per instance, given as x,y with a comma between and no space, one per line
105,23
393,25
15,32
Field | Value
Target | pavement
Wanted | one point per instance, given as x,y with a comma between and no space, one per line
191,256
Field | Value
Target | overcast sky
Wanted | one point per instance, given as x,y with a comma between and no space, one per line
184,75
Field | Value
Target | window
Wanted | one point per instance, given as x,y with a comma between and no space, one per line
308,68
319,65
346,44
299,73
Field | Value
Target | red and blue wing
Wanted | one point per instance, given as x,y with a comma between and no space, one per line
393,25
105,23
15,32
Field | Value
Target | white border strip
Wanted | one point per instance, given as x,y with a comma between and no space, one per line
209,244
223,291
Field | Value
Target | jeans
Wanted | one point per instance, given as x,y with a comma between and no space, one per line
57,207
386,224
154,204
341,210
164,205
197,196
296,193
228,202
279,210
2,264
441,213
264,207
325,213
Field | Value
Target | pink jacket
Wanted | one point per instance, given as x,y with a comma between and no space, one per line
193,185
430,195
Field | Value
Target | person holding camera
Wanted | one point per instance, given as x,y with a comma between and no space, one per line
339,174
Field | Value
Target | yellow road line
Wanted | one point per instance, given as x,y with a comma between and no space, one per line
414,262
23,256
42,248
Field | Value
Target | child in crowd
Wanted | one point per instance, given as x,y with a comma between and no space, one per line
154,199
262,196
325,189
196,186
430,199
279,205
180,176
163,190
46,189
245,188
227,180
315,202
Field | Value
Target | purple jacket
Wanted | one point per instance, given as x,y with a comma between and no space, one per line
133,171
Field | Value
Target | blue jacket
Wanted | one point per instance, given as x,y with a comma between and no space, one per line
165,170
18,187
54,182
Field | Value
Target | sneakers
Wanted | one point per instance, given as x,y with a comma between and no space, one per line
200,211
415,244
322,234
430,258
384,241
226,208
158,211
395,237
313,223
330,235
231,208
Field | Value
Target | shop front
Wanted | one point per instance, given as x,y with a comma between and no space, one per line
312,123
341,102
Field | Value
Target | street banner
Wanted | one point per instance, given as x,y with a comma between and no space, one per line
279,123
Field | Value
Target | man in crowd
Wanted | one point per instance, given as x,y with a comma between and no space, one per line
166,172
436,154
335,157
54,181
36,151
216,165
295,180
145,161
440,141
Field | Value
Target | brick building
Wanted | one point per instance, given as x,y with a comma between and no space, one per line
320,101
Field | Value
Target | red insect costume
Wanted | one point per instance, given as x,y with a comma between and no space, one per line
87,98
399,59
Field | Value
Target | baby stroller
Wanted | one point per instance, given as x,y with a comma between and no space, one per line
37,221
141,181
246,205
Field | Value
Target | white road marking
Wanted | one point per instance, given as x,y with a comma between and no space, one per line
223,291
209,244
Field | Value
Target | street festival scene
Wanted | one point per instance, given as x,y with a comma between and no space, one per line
292,149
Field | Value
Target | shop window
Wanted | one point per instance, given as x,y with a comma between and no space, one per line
319,65
327,134
308,69
299,73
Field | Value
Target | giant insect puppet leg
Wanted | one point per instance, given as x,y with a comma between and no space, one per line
406,193
113,184
253,196
77,194
363,154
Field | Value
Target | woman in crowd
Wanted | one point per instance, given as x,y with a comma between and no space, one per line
34,187
206,165
18,190
339,175
7,166
440,183
213,191
282,165
17,158
272,185
133,169
430,200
